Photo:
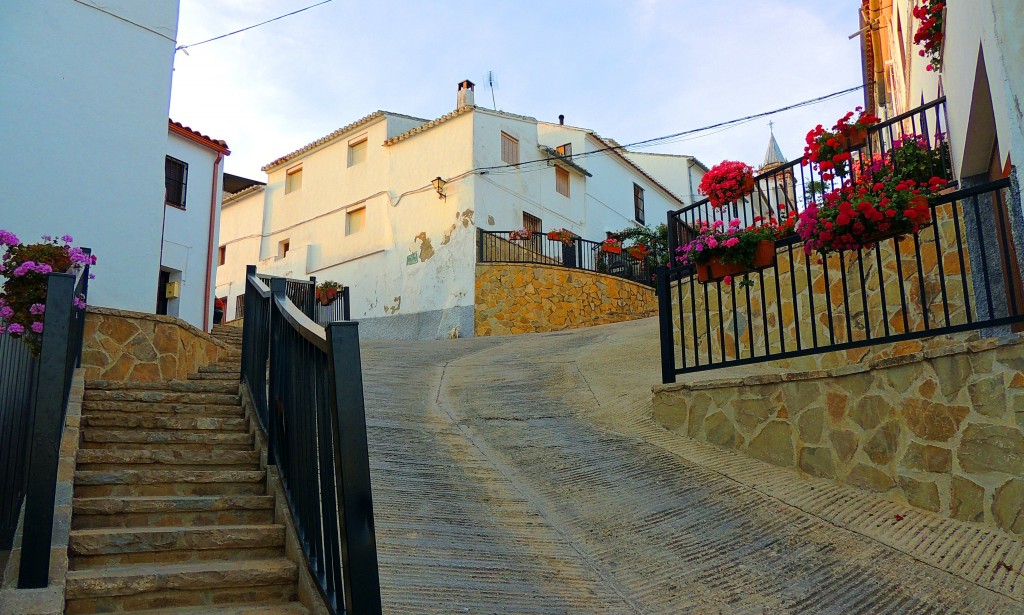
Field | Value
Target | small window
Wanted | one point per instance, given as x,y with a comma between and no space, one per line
283,247
357,152
638,203
509,149
355,221
293,181
565,150
221,254
531,223
561,181
239,307
175,181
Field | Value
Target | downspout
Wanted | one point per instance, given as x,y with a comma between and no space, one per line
210,243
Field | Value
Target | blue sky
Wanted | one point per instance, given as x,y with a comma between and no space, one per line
628,69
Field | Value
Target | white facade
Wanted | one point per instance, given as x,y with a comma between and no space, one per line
190,233
83,119
357,207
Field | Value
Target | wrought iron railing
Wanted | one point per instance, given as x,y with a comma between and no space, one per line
18,367
306,384
339,309
302,293
60,354
959,273
578,253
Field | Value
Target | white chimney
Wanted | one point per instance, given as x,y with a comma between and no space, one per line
466,94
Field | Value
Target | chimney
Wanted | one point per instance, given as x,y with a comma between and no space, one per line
466,94
561,120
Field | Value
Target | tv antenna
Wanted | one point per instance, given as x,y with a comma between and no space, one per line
492,82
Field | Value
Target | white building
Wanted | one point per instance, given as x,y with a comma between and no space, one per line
193,178
83,123
358,207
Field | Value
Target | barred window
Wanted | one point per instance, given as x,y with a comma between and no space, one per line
175,181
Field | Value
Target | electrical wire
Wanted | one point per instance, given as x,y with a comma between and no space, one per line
262,23
126,20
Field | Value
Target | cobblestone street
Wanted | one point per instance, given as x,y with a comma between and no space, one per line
525,475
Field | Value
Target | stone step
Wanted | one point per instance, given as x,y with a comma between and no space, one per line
163,397
220,368
118,546
137,408
194,584
191,423
91,484
116,459
292,608
167,511
216,376
183,386
163,440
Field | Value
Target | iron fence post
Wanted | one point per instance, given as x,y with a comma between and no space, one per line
668,355
46,428
278,288
352,468
346,304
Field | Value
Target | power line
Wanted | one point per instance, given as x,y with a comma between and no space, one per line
128,21
672,138
216,38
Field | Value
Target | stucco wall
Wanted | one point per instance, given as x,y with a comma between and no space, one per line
240,228
85,106
132,346
942,430
525,298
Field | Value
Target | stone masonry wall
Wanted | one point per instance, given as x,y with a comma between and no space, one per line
139,347
531,298
942,429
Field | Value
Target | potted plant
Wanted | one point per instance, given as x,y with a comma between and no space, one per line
327,291
726,182
567,237
522,234
721,251
23,293
639,251
829,150
930,32
611,246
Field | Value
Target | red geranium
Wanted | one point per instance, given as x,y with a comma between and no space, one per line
930,31
830,150
726,182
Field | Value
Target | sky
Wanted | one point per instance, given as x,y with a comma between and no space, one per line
630,70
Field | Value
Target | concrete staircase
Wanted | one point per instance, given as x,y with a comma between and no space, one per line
171,512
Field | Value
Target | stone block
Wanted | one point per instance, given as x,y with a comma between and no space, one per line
718,429
869,477
774,444
811,424
922,494
966,500
670,410
927,458
932,421
952,372
817,461
991,448
750,413
845,443
869,412
836,403
988,396
881,447
1008,506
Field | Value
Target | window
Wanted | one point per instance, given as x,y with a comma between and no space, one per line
221,253
565,150
638,203
355,221
293,180
532,223
356,152
561,181
175,180
239,307
283,247
509,149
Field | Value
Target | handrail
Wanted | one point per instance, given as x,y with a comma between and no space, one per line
263,289
308,329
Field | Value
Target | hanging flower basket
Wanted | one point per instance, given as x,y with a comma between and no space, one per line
520,235
639,252
327,292
562,235
611,246
715,269
726,182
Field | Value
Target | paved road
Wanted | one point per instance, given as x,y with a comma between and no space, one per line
524,475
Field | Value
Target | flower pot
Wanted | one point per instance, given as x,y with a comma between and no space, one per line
714,269
748,184
326,296
554,237
610,249
875,238
857,137
638,254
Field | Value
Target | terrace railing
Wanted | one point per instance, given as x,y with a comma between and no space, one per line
306,384
501,247
960,273
18,368
30,465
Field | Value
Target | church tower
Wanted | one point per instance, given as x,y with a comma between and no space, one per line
781,185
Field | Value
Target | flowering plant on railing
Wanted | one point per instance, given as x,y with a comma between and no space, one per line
639,251
612,245
829,150
327,291
726,182
23,294
560,234
522,234
731,243
930,31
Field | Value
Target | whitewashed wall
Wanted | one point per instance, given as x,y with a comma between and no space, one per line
241,223
84,109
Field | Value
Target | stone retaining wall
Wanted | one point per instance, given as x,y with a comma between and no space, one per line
942,429
123,345
532,298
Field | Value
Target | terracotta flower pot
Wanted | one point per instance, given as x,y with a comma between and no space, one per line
327,296
554,236
858,137
714,269
611,249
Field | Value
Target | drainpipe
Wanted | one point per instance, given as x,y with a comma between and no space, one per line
210,243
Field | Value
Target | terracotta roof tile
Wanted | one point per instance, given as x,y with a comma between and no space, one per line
235,196
183,130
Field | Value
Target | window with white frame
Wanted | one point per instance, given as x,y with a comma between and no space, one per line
293,179
509,149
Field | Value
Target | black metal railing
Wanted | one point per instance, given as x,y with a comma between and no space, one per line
579,253
306,383
59,356
960,273
339,309
782,192
302,293
18,367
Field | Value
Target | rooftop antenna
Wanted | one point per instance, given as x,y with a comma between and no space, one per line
492,82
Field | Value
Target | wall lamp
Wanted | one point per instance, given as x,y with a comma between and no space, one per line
439,185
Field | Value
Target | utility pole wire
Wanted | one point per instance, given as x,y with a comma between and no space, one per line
216,38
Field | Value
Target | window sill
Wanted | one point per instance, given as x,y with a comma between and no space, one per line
181,207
